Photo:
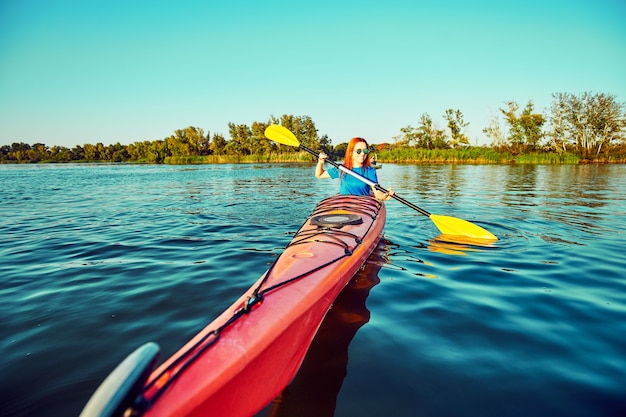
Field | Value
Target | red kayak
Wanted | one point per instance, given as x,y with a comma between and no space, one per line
242,360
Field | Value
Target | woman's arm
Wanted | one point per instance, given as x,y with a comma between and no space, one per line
319,169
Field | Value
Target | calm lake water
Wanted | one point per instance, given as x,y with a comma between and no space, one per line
96,260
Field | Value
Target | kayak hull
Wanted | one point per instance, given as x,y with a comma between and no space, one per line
243,359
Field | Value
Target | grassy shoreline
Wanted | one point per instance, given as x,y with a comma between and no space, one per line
414,156
476,156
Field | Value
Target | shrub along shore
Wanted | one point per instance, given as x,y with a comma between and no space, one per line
478,156
412,156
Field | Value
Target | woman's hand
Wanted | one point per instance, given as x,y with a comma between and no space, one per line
383,196
389,193
322,157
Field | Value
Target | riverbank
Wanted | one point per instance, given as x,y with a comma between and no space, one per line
474,156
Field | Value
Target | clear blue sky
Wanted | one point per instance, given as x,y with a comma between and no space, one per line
76,72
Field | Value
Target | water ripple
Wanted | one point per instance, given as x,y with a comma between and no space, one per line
97,260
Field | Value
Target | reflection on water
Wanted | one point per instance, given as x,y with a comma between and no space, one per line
314,390
450,247
462,243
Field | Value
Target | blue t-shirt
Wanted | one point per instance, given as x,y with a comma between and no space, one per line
351,185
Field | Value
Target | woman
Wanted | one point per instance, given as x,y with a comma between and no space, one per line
357,159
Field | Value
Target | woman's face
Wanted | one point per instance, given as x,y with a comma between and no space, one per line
359,154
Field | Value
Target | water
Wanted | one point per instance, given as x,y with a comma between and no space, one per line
96,260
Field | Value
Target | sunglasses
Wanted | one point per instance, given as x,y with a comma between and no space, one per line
365,151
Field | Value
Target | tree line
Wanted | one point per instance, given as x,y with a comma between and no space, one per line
191,144
585,124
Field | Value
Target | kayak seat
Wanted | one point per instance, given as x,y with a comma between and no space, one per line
336,220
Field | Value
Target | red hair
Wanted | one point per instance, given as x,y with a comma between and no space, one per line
347,161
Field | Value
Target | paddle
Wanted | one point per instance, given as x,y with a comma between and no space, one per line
449,226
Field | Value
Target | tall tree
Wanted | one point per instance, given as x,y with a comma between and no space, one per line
78,153
515,137
326,145
409,136
240,139
531,125
261,146
594,121
456,126
60,154
186,142
38,152
218,144
91,152
303,127
494,132
204,144
525,129
426,135
430,136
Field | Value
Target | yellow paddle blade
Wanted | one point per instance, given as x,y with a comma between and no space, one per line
281,135
452,226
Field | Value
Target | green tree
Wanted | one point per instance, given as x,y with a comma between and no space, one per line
259,143
531,125
233,148
426,135
326,145
558,140
134,151
430,137
204,144
157,151
410,136
594,121
186,142
303,127
456,126
117,152
525,130
38,152
515,137
90,152
4,152
103,152
339,151
19,152
78,153
240,142
218,144
494,132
